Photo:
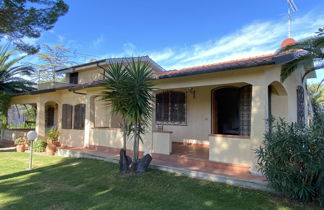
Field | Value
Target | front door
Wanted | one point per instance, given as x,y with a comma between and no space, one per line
49,120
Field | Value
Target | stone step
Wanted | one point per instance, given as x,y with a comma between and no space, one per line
202,163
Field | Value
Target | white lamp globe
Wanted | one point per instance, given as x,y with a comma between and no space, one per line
31,135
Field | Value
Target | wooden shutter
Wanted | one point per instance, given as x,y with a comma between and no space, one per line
79,116
67,111
300,105
245,110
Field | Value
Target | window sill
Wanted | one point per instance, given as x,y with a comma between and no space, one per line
172,123
230,136
106,128
157,131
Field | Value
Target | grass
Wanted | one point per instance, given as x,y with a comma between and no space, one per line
69,183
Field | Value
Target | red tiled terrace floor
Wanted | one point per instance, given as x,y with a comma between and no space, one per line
193,158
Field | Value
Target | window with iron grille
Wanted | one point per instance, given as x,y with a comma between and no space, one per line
171,108
67,111
79,116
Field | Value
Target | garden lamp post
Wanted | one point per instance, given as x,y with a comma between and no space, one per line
31,136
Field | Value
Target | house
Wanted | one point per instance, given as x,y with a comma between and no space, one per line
220,106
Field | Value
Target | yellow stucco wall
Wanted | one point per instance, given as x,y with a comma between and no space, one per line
90,75
223,149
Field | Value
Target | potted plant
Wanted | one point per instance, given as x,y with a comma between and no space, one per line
20,144
52,141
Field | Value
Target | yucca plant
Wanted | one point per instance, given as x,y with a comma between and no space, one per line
129,90
310,55
114,95
11,79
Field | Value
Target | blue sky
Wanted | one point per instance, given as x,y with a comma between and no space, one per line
178,34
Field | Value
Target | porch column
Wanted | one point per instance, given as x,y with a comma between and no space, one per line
40,120
89,119
258,119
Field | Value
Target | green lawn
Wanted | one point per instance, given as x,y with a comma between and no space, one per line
68,183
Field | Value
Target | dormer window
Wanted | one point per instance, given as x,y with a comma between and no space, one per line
73,78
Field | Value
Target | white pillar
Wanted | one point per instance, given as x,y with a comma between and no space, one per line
89,119
40,120
259,116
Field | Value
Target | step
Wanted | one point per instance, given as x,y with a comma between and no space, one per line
202,162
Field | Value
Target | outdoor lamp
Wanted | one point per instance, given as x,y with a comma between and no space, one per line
31,136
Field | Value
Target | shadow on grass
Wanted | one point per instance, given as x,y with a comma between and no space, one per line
93,184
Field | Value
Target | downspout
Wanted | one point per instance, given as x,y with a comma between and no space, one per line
75,92
104,70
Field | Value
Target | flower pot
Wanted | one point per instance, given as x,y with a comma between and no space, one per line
20,148
51,149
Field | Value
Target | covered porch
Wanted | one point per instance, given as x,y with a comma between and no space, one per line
222,123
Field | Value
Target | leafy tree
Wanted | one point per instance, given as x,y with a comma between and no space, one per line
320,31
316,94
11,80
27,18
52,58
310,55
129,90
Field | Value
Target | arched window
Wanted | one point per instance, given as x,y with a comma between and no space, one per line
171,108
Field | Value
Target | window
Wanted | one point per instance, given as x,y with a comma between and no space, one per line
67,111
232,111
74,78
79,116
171,108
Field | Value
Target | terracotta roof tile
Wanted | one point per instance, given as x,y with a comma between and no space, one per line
221,66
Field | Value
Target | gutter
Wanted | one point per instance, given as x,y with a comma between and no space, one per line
75,92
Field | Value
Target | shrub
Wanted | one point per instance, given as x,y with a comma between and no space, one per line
292,159
39,146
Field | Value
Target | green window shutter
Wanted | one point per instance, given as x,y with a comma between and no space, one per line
79,116
67,111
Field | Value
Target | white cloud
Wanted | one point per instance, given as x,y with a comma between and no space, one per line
254,39
97,43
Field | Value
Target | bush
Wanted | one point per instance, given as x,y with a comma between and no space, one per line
39,146
292,159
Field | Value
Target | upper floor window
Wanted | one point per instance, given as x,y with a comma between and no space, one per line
171,108
73,78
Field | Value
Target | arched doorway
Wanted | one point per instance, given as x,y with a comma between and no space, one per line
51,115
231,110
277,101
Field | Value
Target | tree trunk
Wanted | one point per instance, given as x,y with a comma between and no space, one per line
136,147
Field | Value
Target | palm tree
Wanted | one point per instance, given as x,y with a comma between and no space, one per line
129,90
114,76
310,55
11,80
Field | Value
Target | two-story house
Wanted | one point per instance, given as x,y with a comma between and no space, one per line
220,107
